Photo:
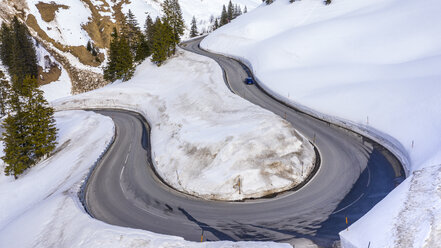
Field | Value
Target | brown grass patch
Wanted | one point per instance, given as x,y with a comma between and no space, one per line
47,10
82,80
52,75
80,52
100,27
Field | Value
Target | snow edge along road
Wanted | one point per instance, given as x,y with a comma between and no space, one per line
392,145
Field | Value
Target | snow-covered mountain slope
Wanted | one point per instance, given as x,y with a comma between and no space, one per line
372,65
202,10
198,146
63,28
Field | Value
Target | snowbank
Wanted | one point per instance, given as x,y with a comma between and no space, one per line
41,208
372,65
205,139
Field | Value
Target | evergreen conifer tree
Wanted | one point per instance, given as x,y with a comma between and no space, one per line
89,46
30,132
194,28
17,50
120,65
230,11
4,93
124,67
25,59
110,69
245,10
42,130
17,151
224,16
162,42
143,49
131,32
149,29
173,19
216,24
6,44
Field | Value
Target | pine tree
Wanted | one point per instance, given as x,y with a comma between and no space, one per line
120,65
6,44
110,69
173,18
194,28
230,11
237,11
25,59
224,16
42,128
216,24
94,52
17,50
124,67
16,145
131,31
30,132
245,10
143,49
149,28
89,46
4,93
161,42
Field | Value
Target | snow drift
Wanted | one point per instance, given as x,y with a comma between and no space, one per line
373,64
205,139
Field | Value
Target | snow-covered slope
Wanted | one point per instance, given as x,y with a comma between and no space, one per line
374,64
199,146
64,27
201,9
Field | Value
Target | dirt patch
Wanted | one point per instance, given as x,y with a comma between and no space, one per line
100,27
82,80
47,10
50,76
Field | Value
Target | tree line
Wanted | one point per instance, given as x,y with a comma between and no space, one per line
228,14
130,45
326,2
29,127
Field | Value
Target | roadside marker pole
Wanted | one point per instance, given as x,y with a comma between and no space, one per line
313,140
285,115
413,143
347,228
202,236
239,185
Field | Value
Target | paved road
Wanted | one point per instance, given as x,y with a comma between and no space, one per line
353,176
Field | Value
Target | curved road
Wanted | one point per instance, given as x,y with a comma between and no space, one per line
353,176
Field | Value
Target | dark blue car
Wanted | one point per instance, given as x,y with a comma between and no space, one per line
249,80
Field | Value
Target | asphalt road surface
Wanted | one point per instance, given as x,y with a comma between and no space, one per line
354,175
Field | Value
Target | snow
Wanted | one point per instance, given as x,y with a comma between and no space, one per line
63,29
42,209
200,146
58,89
201,9
372,66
